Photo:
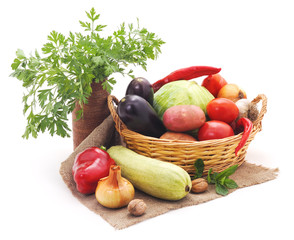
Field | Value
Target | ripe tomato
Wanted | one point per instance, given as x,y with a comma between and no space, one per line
214,129
222,109
213,83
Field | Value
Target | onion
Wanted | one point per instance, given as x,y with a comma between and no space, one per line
232,92
114,191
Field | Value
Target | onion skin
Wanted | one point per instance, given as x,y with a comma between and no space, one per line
114,191
232,91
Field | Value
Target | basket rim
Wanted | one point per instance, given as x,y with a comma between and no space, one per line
215,142
124,131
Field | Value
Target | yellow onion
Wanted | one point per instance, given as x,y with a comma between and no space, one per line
114,191
232,91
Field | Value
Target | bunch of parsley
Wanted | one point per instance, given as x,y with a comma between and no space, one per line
63,75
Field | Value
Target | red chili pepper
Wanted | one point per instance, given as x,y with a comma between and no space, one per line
185,74
247,125
89,166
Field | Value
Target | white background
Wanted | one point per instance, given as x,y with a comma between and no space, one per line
252,41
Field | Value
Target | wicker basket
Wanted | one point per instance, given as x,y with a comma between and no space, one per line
216,154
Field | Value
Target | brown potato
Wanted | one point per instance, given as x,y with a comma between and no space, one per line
177,136
183,118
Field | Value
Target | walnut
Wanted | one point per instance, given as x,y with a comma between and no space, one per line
137,207
199,185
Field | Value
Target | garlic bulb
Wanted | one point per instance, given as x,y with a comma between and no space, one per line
114,191
247,109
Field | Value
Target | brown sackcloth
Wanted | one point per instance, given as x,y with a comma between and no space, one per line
246,175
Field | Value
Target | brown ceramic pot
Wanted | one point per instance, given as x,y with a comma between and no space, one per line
95,111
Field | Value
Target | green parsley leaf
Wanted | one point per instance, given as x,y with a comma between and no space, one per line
86,25
20,54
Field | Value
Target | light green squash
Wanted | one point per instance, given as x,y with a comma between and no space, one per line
157,178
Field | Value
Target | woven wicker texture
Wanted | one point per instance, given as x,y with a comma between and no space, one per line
216,154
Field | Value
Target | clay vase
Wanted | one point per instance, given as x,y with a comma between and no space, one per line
95,111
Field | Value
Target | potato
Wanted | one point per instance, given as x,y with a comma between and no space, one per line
177,136
182,118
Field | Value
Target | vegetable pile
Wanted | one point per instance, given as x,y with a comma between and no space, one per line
174,108
178,108
114,174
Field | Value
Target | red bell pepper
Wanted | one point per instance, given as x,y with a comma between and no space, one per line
89,166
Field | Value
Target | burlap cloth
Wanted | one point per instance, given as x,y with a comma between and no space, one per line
105,134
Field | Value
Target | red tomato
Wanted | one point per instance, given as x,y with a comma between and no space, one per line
214,130
213,83
222,109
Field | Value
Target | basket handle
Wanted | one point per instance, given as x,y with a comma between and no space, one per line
113,98
263,99
119,124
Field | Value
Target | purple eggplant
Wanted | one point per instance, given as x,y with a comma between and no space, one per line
139,116
141,87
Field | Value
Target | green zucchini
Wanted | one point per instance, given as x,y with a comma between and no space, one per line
155,177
